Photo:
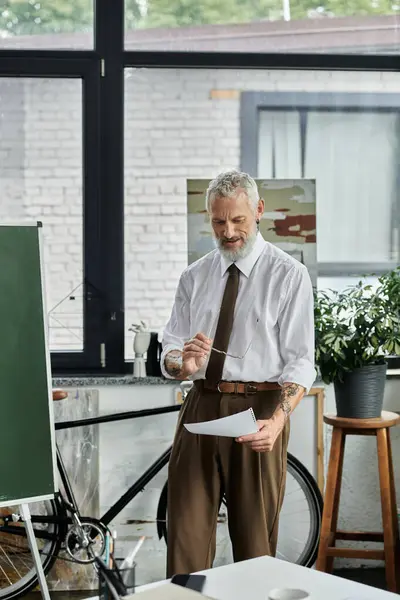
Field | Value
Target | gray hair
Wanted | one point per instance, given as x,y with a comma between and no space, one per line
226,184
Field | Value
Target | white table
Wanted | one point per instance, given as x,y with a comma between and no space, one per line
254,579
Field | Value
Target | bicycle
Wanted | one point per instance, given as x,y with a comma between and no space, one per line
59,525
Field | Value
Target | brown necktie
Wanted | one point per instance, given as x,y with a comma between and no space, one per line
224,327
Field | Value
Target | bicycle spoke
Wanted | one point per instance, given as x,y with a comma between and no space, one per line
17,568
9,560
5,574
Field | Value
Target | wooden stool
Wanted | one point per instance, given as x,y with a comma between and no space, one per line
329,532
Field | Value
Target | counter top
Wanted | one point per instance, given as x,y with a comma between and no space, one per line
97,381
100,380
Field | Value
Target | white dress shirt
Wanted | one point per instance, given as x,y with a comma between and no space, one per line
273,321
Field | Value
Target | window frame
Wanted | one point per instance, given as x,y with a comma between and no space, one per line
101,72
86,71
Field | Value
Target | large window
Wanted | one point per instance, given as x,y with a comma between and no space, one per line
183,123
100,129
49,110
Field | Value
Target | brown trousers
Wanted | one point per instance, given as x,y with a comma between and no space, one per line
201,467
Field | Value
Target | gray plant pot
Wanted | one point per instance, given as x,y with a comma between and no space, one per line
360,395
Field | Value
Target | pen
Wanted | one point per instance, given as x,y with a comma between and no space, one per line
112,552
128,562
111,557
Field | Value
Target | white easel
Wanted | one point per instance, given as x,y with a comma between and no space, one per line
26,514
21,250
30,534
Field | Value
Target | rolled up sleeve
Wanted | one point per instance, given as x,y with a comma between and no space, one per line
177,329
296,330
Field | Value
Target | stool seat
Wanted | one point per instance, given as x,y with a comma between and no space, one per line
327,551
387,419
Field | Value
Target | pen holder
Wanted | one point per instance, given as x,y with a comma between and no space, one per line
121,580
127,575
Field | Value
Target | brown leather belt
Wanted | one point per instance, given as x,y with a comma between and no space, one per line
242,387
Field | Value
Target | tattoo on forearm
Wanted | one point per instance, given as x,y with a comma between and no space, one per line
291,390
285,407
175,371
173,364
288,391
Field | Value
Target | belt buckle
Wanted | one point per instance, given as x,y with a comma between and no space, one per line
250,389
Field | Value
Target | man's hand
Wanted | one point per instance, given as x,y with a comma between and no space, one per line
270,429
265,438
181,365
195,353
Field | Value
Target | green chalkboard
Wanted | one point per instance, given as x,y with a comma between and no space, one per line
27,450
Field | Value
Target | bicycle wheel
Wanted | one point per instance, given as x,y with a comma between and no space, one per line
17,569
299,523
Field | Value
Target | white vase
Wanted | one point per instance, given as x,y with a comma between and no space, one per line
140,346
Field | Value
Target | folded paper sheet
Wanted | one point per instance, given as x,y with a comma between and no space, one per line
241,423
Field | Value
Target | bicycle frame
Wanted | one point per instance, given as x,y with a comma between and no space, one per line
140,483
67,512
69,503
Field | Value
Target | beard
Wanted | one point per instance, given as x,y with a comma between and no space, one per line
241,252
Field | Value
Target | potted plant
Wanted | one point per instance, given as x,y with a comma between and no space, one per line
355,331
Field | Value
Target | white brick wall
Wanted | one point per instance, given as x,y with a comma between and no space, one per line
174,130
11,149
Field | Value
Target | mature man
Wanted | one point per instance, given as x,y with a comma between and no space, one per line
242,329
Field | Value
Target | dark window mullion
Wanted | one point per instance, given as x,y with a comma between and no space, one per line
47,65
109,44
93,297
260,60
94,301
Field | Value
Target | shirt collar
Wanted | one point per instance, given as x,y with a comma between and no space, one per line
246,264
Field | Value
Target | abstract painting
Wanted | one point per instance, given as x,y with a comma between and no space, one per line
289,219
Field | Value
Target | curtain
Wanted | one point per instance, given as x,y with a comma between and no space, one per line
354,158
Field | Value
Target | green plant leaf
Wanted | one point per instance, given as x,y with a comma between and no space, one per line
357,326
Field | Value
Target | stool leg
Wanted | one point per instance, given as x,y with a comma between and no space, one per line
393,491
388,509
332,491
336,501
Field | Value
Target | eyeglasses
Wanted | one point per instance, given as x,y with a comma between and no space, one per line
234,355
